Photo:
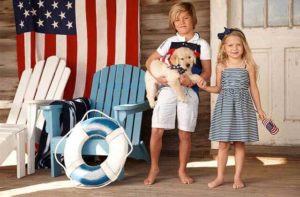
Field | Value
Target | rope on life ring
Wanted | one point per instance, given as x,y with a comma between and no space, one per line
108,171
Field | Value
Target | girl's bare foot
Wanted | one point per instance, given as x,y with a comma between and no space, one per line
215,183
151,176
184,178
238,184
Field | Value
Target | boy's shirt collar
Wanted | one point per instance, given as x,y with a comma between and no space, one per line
182,38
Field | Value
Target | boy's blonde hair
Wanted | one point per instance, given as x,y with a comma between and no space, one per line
182,7
247,54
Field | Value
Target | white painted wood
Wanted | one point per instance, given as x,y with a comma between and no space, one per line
276,50
31,87
218,19
18,100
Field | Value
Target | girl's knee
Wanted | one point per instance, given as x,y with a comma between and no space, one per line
224,145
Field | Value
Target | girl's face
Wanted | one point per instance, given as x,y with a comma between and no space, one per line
234,47
184,23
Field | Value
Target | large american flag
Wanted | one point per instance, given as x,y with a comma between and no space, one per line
89,34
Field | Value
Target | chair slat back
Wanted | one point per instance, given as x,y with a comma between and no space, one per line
119,84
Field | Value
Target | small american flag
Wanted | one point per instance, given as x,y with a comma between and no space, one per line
89,34
270,126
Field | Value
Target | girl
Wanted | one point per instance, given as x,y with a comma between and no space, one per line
234,119
182,18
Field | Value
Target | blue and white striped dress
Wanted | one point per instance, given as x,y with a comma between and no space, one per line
234,117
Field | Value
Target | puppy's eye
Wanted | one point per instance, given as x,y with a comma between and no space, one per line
189,57
182,58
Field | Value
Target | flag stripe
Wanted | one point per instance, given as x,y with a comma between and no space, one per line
50,43
92,44
120,32
40,46
27,48
132,38
111,31
32,47
101,34
71,62
82,49
20,54
61,42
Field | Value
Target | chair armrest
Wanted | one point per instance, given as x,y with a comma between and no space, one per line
52,117
122,111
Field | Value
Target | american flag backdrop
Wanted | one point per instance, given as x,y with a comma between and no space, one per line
88,34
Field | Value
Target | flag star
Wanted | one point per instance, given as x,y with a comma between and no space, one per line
33,12
26,13
55,24
20,5
69,25
21,24
41,3
48,14
62,15
40,23
69,5
54,5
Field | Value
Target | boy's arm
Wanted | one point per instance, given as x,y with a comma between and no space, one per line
206,69
255,92
154,56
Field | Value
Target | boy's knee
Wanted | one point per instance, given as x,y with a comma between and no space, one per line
184,135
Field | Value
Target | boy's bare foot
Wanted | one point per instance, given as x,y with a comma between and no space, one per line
238,184
151,177
184,178
215,183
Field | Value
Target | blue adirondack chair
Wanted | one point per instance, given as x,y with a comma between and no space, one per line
118,91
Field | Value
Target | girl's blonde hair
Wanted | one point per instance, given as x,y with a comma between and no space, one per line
182,7
247,55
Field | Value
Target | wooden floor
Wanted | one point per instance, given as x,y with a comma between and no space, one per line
265,176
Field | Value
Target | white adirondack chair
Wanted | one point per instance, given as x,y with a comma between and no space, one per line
46,82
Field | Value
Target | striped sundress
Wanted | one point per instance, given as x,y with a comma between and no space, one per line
234,117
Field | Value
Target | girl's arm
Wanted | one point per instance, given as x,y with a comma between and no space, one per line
255,92
217,87
204,76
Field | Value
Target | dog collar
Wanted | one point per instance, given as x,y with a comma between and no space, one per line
179,69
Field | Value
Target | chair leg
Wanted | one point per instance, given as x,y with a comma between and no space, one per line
121,175
20,154
55,167
140,152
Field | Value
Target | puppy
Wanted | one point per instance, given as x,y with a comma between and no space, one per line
181,61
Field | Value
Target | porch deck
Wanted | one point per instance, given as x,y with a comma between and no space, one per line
264,174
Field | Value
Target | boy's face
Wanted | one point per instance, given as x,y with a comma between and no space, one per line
184,23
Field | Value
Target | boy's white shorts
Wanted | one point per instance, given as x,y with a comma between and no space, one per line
164,112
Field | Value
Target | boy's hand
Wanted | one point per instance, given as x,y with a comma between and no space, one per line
201,83
185,81
162,80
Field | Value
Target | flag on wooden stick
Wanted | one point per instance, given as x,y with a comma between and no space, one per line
89,34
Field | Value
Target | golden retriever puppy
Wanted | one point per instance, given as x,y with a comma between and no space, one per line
181,61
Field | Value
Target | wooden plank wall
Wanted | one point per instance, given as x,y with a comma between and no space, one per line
154,29
8,66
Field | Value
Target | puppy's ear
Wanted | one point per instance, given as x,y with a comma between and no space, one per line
174,59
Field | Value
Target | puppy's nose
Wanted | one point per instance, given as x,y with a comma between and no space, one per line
188,65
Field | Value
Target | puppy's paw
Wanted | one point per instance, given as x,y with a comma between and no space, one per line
152,104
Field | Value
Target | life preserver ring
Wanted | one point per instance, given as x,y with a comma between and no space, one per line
108,171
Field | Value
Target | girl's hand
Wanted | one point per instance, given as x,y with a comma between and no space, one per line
261,114
185,81
162,80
